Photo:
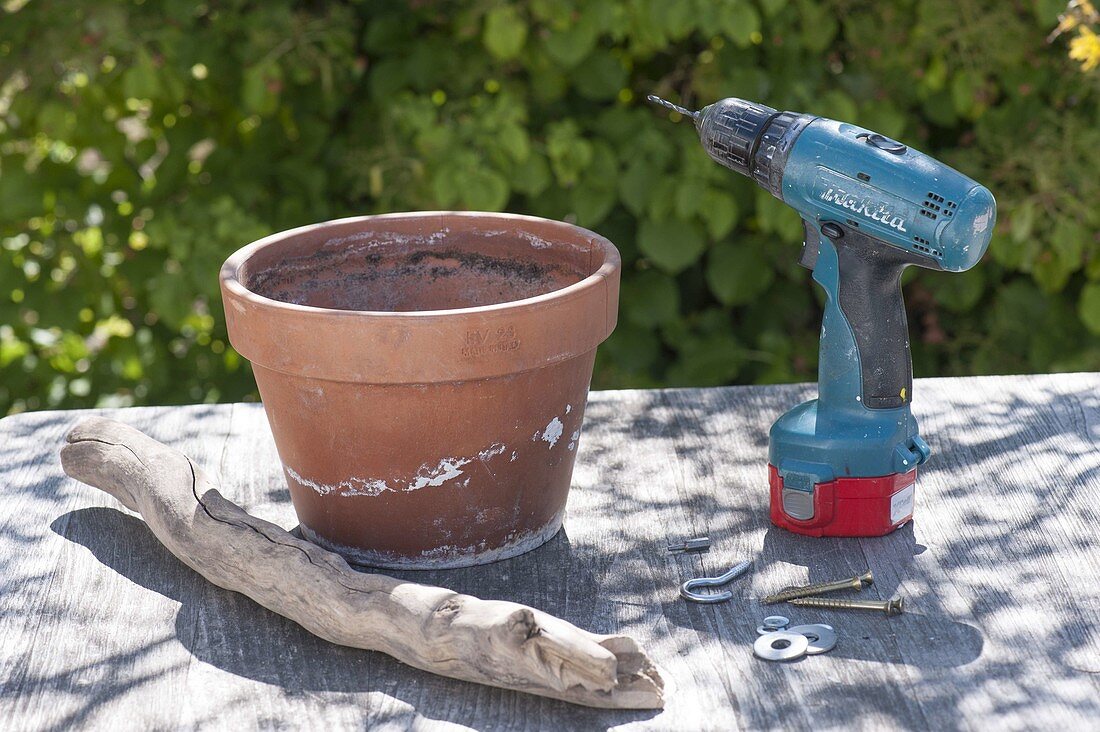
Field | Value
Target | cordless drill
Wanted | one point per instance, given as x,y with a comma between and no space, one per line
845,464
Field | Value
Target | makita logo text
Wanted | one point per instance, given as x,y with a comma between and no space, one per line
864,206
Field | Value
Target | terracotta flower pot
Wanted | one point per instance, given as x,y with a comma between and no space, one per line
425,376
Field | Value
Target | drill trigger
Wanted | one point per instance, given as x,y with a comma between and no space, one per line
811,239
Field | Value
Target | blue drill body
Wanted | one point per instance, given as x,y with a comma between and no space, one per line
870,207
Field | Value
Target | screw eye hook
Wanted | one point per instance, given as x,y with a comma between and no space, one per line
687,589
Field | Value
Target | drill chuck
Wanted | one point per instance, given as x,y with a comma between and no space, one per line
750,138
730,131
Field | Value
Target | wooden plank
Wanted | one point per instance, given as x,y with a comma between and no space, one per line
100,625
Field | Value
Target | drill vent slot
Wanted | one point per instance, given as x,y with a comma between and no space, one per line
922,246
864,177
932,209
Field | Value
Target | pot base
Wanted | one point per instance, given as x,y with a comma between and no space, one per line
444,557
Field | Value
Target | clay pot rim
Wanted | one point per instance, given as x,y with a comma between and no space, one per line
230,270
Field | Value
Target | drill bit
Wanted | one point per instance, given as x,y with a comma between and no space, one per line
674,107
855,583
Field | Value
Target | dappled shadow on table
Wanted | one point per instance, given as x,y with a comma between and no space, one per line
998,571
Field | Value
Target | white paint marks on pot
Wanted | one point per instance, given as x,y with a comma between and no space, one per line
427,476
448,469
573,440
553,431
515,454
349,487
536,242
362,241
497,448
446,556
568,408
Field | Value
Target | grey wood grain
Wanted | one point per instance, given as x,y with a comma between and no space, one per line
100,627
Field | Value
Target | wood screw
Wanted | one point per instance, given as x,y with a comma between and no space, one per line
855,583
890,607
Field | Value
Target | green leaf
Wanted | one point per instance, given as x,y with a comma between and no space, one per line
719,212
140,79
600,76
835,104
960,292
514,141
532,176
671,245
738,273
940,109
935,75
570,45
709,360
819,25
447,185
569,153
776,217
965,89
738,20
258,88
689,197
771,7
650,298
171,298
632,348
1088,306
21,195
505,32
1022,221
1052,271
1070,240
484,190
592,201
635,185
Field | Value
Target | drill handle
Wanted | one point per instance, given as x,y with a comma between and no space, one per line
865,360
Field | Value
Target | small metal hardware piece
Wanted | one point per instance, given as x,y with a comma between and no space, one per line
890,607
687,589
822,637
698,544
820,588
762,629
776,622
782,645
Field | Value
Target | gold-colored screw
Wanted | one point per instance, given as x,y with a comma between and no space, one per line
890,607
790,593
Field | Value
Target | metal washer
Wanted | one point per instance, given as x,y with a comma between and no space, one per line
765,646
776,622
763,630
820,637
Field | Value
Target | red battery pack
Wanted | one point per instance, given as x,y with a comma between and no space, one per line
850,506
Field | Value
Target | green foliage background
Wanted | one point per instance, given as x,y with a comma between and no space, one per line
142,142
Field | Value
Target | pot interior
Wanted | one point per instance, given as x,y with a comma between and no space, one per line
421,263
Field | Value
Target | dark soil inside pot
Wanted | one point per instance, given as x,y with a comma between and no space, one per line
433,272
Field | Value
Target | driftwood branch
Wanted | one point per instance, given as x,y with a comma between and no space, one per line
488,642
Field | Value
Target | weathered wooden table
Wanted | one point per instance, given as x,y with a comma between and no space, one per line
100,627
